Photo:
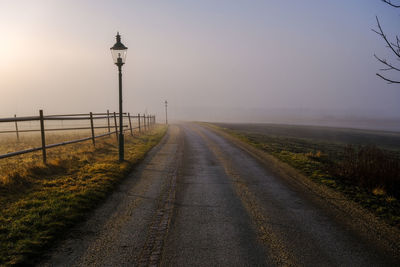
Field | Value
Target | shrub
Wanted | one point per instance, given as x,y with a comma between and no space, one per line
370,167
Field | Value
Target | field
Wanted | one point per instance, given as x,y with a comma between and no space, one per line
40,202
363,165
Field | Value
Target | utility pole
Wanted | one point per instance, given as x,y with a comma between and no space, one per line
166,112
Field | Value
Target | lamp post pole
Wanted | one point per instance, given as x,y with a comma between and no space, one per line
121,121
166,112
118,52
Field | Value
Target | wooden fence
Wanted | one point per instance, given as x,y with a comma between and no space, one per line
144,123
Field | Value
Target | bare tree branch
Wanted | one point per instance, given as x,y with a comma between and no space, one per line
397,44
389,2
383,61
393,46
386,79
382,34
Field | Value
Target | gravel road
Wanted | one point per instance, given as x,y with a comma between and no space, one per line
201,199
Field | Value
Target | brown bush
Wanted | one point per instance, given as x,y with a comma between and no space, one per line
370,167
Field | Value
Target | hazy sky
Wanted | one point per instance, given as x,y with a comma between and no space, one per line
206,57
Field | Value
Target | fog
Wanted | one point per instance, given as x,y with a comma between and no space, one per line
308,62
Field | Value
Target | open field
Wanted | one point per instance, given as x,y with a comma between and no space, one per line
40,202
340,136
324,154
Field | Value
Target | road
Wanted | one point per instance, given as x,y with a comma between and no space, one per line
200,199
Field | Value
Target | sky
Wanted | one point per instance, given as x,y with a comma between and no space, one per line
225,60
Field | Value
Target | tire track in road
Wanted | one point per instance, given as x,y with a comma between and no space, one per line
152,249
151,253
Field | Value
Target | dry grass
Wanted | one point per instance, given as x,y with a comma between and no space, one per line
20,166
40,202
370,167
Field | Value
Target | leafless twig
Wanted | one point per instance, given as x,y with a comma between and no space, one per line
390,66
382,34
386,79
393,46
389,2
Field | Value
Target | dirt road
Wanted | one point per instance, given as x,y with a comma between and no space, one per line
198,199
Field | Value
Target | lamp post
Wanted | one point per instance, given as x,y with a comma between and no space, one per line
166,112
118,52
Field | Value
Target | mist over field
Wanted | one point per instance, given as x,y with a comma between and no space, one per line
363,119
235,61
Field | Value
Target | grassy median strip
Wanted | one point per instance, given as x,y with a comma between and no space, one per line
340,166
40,202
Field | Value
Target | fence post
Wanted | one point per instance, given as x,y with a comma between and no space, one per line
130,123
115,124
43,136
108,120
145,122
16,127
92,128
140,130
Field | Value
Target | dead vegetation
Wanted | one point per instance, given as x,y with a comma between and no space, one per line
372,168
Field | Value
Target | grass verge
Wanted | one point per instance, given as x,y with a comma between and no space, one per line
318,160
39,203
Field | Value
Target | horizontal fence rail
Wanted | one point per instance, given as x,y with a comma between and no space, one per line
144,122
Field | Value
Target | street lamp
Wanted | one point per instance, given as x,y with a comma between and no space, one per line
118,52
